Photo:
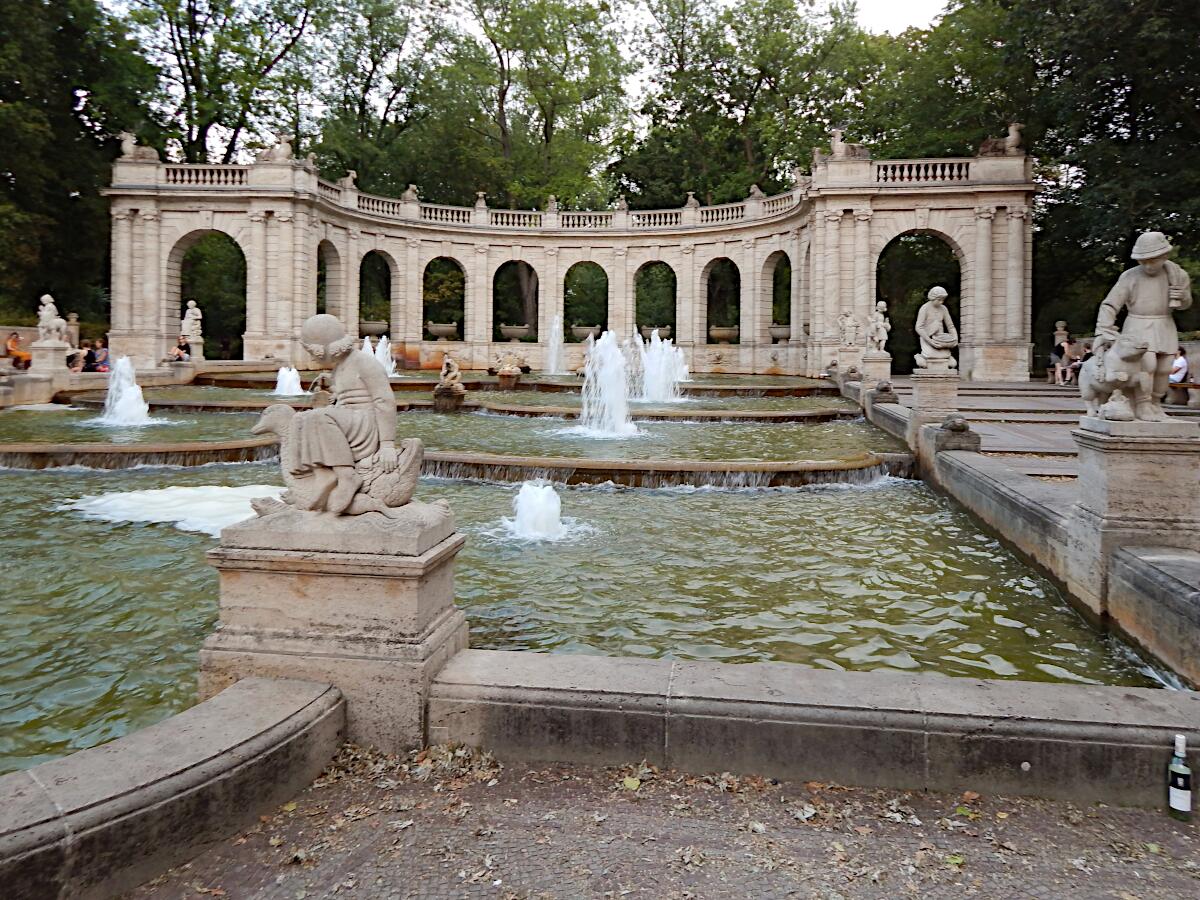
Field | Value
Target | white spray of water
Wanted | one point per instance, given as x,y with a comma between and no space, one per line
366,347
383,354
287,383
554,345
206,509
605,410
663,367
124,403
537,516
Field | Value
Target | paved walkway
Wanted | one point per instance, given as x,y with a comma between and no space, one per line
460,826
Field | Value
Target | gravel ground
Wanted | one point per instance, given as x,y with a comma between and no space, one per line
453,823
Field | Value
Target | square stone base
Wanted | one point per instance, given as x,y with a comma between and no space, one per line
995,361
876,367
376,623
934,396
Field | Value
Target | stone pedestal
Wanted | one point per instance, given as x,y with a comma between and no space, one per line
935,396
50,358
447,399
508,381
197,345
876,366
365,603
994,361
1137,487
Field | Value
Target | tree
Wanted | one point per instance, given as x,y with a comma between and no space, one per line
70,82
223,67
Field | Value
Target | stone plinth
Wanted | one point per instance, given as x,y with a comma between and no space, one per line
876,366
1137,486
934,396
197,345
362,602
446,399
49,357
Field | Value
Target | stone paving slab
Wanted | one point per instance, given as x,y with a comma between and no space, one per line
448,825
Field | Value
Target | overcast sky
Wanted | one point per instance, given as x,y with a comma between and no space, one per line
894,16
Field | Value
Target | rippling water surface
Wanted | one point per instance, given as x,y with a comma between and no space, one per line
572,400
74,426
101,621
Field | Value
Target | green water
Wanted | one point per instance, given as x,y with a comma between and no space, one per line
491,433
74,426
102,621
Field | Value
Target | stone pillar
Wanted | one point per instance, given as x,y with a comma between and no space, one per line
408,318
479,306
550,298
690,312
122,288
876,367
353,273
799,288
256,284
1014,295
864,302
981,333
934,396
620,296
283,283
1136,488
148,346
361,602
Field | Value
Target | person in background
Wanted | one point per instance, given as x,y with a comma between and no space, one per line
100,353
1060,358
20,358
181,352
79,361
1077,364
1179,369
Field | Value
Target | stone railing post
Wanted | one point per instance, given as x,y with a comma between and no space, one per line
479,214
691,210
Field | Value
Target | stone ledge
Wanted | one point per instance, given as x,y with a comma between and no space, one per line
1154,595
106,819
872,729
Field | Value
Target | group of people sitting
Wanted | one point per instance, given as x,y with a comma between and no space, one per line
90,356
1068,363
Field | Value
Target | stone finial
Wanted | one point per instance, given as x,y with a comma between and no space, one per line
955,422
131,151
410,194
691,202
480,200
349,181
552,204
1011,144
622,203
756,191
280,151
316,445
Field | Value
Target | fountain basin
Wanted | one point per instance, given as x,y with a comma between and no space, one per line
372,328
664,331
515,333
721,334
780,334
443,331
581,332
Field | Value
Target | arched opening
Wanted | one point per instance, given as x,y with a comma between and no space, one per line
777,284
585,298
329,279
908,267
654,297
210,268
515,302
443,299
723,298
375,279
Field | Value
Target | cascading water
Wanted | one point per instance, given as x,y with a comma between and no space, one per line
663,367
554,345
287,383
124,403
605,409
383,353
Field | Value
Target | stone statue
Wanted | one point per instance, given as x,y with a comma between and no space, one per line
878,328
1009,145
131,150
450,392
691,202
480,198
189,325
937,333
342,459
1113,380
622,203
756,191
281,151
349,181
410,194
848,325
552,204
1150,293
840,149
51,326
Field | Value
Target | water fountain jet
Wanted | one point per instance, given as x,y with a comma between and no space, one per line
383,353
663,367
537,513
287,383
605,409
124,403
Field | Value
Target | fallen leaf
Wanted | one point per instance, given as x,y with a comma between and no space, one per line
289,807
969,797
955,860
1001,815
1154,848
630,783
757,827
275,841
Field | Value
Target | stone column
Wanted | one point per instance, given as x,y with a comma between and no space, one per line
1014,296
799,304
863,299
353,274
479,306
981,333
689,311
283,282
256,283
752,330
1136,488
122,289
367,606
550,297
407,318
149,347
620,295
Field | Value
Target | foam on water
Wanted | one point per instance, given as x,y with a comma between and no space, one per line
206,509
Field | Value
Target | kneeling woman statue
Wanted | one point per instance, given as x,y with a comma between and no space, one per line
342,458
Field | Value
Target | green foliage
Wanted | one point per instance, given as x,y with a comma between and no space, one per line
443,292
514,297
654,295
585,297
908,267
374,288
723,294
69,80
213,273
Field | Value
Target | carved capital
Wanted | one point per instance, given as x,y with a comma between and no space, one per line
620,252
284,217
833,217
1017,212
863,215
258,217
121,215
985,212
151,215
748,244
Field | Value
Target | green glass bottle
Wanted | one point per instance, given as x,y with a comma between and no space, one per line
1179,783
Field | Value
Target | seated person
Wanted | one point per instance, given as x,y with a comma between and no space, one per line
181,352
1179,369
77,358
1077,364
20,358
100,356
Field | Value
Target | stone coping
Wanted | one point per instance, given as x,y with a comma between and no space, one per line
95,455
885,729
103,820
1154,599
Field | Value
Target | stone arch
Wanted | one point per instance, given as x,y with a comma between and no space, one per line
916,259
378,289
656,296
515,298
775,287
444,296
721,287
585,296
330,281
225,317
